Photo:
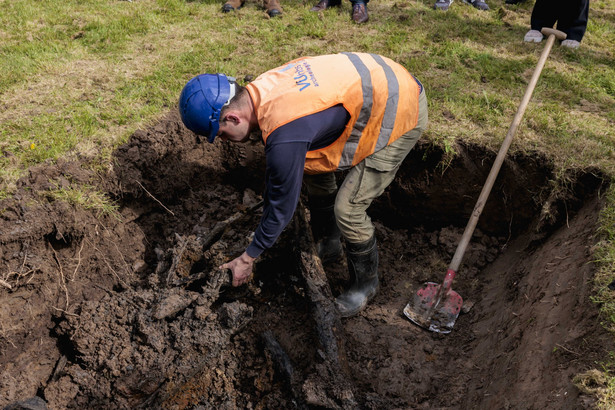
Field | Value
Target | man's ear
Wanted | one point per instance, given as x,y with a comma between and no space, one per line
231,117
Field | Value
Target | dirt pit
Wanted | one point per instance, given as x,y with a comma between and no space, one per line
128,310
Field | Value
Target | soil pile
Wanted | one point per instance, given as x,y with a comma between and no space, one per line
128,309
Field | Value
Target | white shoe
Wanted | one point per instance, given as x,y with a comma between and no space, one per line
533,36
571,43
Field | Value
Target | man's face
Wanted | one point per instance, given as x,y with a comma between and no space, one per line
233,129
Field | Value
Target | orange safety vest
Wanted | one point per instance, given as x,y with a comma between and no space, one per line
380,95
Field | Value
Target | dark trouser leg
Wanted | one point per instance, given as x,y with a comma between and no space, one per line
544,14
573,18
326,233
322,192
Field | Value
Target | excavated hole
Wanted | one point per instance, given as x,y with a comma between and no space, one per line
510,274
174,335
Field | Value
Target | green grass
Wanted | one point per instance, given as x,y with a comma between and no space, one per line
88,73
604,254
87,197
605,257
78,77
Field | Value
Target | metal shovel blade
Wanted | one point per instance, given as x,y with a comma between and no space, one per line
433,311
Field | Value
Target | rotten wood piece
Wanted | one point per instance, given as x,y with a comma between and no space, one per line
284,367
329,383
205,243
221,227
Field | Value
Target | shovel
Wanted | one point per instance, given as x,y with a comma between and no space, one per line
436,306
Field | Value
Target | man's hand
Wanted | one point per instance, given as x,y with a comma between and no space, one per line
241,268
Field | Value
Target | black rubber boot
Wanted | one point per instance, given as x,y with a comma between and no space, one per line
363,268
324,228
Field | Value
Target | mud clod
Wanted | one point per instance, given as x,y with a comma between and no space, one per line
174,302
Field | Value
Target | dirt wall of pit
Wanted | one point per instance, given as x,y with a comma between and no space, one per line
126,310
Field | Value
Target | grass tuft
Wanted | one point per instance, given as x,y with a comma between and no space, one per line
86,197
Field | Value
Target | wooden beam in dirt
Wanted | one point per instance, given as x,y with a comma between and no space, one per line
284,367
204,243
221,227
329,383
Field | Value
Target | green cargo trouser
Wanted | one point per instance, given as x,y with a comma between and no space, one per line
366,181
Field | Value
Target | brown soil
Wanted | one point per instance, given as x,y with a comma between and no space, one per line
129,310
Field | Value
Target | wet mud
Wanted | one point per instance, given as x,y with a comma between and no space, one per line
127,309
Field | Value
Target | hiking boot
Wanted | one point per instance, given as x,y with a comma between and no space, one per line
325,4
363,268
273,7
477,4
232,5
533,36
359,13
326,233
571,43
442,4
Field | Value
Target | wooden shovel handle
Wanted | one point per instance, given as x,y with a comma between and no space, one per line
497,164
560,35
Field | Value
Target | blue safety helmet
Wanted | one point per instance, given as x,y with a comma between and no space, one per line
202,99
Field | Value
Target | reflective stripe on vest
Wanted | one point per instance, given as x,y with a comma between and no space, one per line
390,111
366,112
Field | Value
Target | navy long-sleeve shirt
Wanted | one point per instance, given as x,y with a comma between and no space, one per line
285,152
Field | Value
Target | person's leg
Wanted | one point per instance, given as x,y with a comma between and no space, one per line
369,178
573,19
362,185
322,190
320,184
544,14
